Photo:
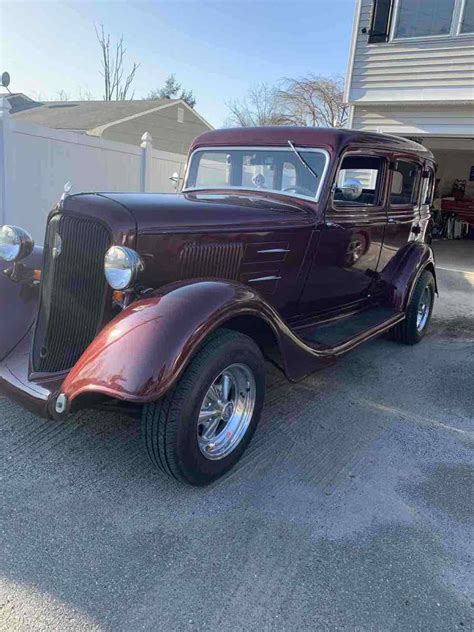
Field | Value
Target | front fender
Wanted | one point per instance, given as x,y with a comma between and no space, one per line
18,303
403,271
140,354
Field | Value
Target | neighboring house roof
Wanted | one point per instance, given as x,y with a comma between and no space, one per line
86,115
19,102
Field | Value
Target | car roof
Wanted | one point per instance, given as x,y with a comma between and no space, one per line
331,138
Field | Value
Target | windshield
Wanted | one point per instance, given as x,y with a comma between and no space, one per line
269,169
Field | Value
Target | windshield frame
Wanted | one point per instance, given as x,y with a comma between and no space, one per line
321,181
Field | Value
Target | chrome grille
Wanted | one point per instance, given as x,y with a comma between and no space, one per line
73,291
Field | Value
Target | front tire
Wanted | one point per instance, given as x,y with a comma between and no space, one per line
418,312
199,430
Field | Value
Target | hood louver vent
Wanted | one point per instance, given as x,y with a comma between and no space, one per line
211,260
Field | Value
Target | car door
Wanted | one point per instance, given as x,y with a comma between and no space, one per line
348,250
403,211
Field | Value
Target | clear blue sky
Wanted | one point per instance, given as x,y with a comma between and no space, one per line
217,48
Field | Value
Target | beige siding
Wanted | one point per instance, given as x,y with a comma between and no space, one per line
414,120
412,70
167,133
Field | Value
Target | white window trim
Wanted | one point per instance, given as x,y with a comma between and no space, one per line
455,30
462,6
322,177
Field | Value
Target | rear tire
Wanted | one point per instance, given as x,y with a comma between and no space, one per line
418,312
182,435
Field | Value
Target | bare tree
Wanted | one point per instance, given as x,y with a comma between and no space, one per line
116,83
84,94
172,89
62,95
258,107
312,101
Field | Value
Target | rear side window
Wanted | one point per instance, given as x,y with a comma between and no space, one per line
358,181
405,177
428,188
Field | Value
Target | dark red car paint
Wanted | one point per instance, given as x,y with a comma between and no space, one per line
141,352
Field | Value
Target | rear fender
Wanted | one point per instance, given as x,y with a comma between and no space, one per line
18,302
404,270
139,355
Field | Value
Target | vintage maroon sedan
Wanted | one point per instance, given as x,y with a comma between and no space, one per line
295,244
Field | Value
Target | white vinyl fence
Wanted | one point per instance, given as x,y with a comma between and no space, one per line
36,162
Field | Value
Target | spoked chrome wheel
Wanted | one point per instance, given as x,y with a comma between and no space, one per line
424,307
226,411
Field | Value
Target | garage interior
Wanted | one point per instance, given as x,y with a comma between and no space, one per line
453,204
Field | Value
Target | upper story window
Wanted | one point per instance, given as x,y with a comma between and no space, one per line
393,20
467,20
266,169
419,18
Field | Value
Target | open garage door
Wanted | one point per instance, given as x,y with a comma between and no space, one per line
453,207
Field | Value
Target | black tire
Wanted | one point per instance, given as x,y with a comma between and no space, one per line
169,425
407,332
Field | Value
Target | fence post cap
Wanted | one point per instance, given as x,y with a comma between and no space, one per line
146,140
5,105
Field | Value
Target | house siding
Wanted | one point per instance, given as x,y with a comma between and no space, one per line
167,133
431,69
439,120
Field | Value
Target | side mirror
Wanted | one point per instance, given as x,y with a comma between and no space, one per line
352,189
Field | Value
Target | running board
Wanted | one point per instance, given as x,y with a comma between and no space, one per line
337,337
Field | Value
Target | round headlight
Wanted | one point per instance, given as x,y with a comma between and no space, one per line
122,266
15,243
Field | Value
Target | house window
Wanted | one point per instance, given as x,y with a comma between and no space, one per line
467,23
180,115
404,183
419,18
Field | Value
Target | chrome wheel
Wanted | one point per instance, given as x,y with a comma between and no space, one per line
424,307
226,411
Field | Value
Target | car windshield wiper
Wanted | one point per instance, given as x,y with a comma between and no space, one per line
302,160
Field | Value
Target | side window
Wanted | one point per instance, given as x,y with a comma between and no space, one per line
404,188
428,188
358,182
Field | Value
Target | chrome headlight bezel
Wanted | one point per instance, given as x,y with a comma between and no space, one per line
122,267
15,243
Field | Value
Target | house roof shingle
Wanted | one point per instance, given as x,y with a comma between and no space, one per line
84,115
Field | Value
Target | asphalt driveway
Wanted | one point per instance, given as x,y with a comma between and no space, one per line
352,509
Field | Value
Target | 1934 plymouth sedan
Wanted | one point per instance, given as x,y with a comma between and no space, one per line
295,244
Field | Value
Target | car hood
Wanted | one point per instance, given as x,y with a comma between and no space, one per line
162,212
